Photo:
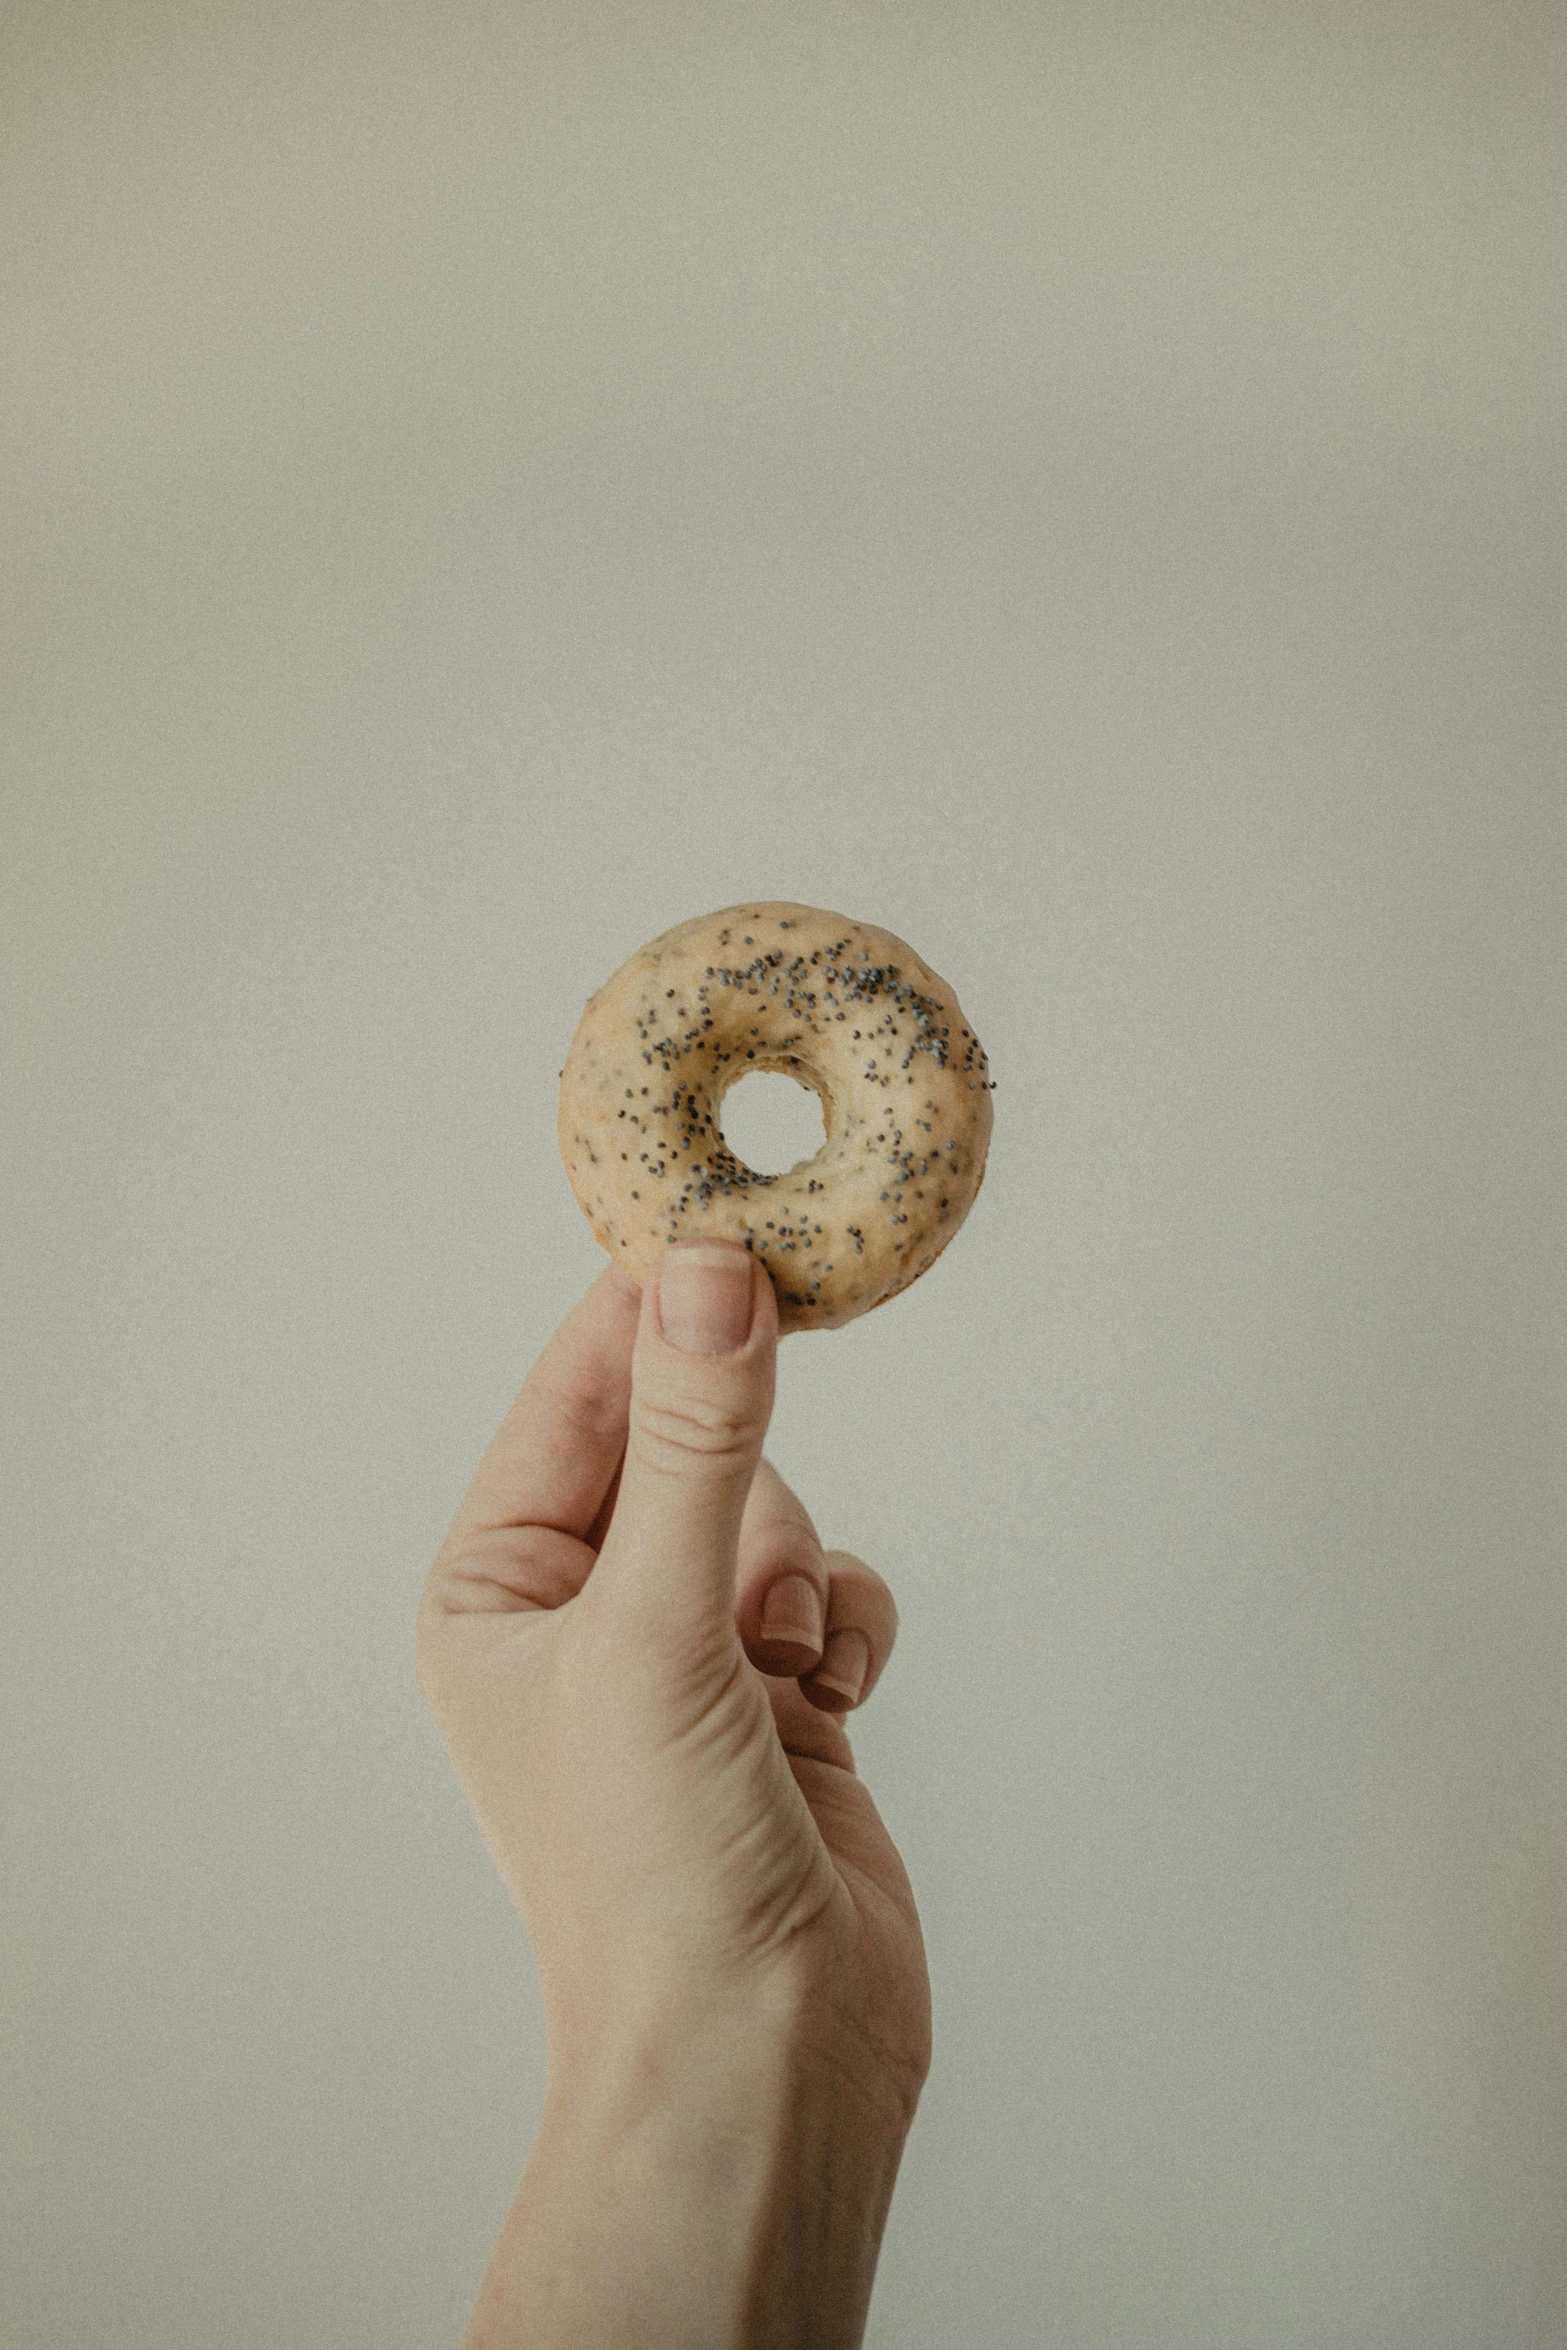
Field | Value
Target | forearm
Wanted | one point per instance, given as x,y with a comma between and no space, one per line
730,2196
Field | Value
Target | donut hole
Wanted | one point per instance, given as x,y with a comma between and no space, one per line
772,1122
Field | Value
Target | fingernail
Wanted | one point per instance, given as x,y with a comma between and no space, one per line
704,1298
792,1610
845,1665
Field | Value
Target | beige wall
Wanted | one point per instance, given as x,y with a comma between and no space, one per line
1082,487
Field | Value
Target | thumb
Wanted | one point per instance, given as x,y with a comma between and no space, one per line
701,1397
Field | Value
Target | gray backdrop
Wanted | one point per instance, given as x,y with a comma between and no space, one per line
1082,487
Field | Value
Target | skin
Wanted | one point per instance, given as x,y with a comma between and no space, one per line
730,1957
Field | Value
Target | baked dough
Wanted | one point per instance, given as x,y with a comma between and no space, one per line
845,1008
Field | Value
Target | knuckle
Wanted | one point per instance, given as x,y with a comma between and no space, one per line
846,1562
783,1550
672,1431
588,1414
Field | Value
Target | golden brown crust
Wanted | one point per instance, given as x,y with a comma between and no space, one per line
845,1008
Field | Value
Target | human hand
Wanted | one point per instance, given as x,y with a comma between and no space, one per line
727,1943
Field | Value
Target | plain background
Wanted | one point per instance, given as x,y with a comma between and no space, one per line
1084,488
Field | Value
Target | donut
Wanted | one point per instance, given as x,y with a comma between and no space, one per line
845,1008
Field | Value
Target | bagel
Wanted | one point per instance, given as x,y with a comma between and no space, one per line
843,1007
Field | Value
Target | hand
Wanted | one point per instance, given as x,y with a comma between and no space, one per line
617,1643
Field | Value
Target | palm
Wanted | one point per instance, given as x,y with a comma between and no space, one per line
870,1925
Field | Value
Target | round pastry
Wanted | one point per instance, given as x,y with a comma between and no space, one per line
845,1008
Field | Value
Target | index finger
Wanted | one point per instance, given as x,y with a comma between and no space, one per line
551,1461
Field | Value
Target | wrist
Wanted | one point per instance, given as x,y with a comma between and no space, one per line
726,2184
